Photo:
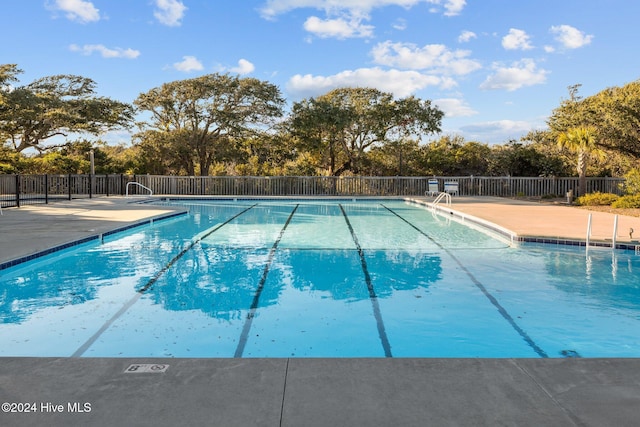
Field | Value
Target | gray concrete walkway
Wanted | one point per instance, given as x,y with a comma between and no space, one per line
306,392
322,392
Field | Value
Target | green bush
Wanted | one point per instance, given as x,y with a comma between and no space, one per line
626,202
597,199
632,181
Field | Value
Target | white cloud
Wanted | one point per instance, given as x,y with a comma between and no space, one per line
244,67
188,64
454,7
106,52
570,37
498,131
435,57
400,24
339,28
355,8
169,12
344,17
77,10
516,40
400,83
519,74
466,36
454,107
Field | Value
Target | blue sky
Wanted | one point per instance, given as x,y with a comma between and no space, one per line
497,68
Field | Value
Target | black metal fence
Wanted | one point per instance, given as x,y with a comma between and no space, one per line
17,190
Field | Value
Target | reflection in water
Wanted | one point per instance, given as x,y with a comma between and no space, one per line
402,271
222,282
317,275
609,277
76,276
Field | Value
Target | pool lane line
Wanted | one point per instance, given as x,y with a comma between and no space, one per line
199,238
372,293
244,335
84,347
503,312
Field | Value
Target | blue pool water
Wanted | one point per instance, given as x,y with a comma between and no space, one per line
319,279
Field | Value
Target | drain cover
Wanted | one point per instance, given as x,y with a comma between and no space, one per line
146,368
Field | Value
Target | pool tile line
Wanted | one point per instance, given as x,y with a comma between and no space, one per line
242,342
84,347
21,260
49,251
372,293
503,312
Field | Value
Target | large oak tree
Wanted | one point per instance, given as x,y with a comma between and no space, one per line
347,122
54,106
192,120
613,113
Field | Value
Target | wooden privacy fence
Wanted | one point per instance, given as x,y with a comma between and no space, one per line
16,190
370,186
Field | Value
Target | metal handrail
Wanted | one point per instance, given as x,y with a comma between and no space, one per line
614,238
441,196
139,185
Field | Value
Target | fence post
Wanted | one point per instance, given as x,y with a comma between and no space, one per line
90,186
46,189
17,190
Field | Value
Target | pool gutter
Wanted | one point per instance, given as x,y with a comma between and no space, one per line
516,239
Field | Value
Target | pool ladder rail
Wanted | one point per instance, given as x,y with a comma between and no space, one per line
442,196
613,239
139,185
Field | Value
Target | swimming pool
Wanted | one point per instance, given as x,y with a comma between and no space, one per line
260,278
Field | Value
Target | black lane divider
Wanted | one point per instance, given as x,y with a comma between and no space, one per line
505,314
242,343
155,278
80,351
372,293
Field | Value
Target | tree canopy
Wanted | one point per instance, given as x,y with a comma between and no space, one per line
54,106
223,124
195,120
348,121
613,113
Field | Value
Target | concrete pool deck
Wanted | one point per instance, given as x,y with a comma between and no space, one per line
310,392
557,221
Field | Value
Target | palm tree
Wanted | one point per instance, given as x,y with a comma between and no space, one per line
582,141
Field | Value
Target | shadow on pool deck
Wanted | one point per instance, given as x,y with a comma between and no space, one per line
303,392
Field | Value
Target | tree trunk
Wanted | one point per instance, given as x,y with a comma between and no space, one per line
582,173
